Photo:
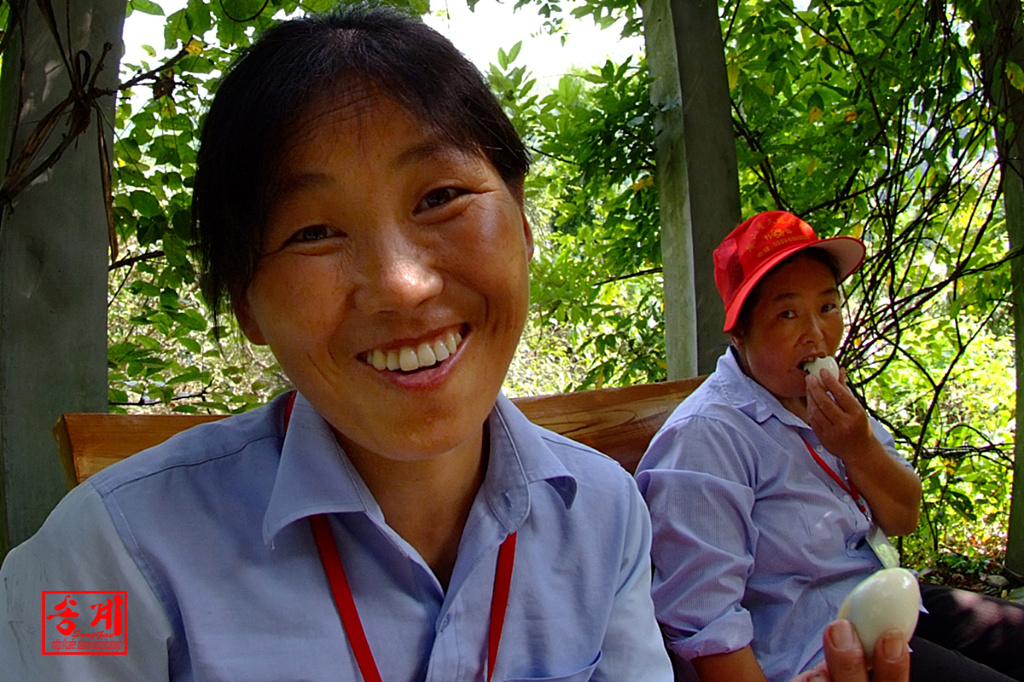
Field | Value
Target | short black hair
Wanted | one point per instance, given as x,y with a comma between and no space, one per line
298,65
750,302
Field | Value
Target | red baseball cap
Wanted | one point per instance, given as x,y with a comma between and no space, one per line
762,242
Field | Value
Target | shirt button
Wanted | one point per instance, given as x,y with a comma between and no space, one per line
846,498
445,622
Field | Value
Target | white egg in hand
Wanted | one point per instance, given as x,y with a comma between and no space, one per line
886,600
817,364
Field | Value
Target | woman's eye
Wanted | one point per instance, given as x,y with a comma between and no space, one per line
787,314
311,234
829,307
439,197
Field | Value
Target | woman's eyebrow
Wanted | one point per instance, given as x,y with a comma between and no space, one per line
433,148
784,296
790,295
298,182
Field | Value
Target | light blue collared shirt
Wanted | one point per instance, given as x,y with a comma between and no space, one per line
208,535
754,543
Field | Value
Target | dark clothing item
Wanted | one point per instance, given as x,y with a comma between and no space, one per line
967,636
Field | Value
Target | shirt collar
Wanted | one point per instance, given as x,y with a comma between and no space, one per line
315,476
520,457
750,397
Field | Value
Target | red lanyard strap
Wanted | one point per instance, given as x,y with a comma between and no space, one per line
499,599
343,598
847,485
340,590
288,407
353,626
342,593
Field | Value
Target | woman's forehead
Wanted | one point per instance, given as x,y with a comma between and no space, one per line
355,141
347,109
356,116
798,276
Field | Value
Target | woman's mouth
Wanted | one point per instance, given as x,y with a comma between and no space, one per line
412,358
815,365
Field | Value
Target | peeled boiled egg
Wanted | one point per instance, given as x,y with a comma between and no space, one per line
817,364
886,600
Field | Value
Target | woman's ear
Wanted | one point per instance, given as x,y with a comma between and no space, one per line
529,235
248,324
739,348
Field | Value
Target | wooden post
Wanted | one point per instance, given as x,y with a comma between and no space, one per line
698,181
53,251
998,26
680,300
1013,200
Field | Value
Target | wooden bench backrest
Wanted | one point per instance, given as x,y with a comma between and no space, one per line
619,422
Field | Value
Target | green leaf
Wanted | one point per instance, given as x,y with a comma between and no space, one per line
514,52
145,7
144,288
1015,74
145,204
176,250
169,299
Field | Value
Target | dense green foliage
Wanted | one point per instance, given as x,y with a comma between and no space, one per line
870,119
596,274
162,351
867,118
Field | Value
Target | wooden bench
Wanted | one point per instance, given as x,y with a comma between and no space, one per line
619,422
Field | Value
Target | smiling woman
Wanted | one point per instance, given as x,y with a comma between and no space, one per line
358,206
389,276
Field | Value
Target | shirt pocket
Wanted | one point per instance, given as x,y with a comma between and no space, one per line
578,676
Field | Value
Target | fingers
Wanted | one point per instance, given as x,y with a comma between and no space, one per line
844,654
823,412
834,412
844,658
818,400
831,394
892,658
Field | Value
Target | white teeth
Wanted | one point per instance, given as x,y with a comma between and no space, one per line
408,358
425,355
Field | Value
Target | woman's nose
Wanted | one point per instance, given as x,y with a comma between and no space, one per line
814,329
398,275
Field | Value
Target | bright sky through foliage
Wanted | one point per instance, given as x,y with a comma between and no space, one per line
494,25
478,34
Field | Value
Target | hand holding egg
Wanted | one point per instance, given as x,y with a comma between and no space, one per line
886,600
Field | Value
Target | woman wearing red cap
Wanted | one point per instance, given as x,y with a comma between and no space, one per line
771,490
